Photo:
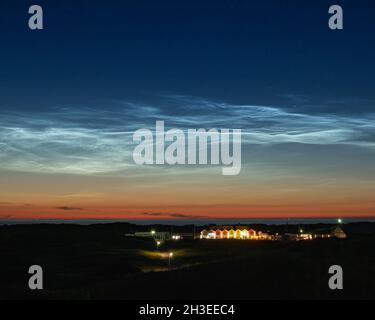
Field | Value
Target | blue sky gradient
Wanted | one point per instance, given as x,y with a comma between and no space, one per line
72,95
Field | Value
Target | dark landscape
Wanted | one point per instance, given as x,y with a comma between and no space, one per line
99,262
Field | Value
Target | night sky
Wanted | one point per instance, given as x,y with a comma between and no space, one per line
72,94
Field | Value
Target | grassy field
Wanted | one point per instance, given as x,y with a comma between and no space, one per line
99,262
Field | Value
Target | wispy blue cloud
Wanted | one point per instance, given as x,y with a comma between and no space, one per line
85,140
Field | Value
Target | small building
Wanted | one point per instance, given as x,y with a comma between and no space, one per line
237,234
232,234
252,233
211,234
219,234
225,234
244,234
337,232
204,234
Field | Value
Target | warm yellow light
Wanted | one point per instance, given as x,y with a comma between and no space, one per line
152,231
158,243
170,254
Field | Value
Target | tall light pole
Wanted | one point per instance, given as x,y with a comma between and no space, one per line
158,243
170,256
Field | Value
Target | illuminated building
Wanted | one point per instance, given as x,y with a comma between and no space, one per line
204,234
244,234
237,234
211,234
232,233
225,234
241,232
219,234
335,232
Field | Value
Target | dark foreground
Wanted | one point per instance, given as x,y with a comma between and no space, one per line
98,262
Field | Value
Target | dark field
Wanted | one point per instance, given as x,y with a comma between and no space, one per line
98,262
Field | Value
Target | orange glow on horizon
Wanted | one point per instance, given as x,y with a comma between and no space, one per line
183,213
25,196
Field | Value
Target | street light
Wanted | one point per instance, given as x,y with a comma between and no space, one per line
339,221
153,232
158,243
170,256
